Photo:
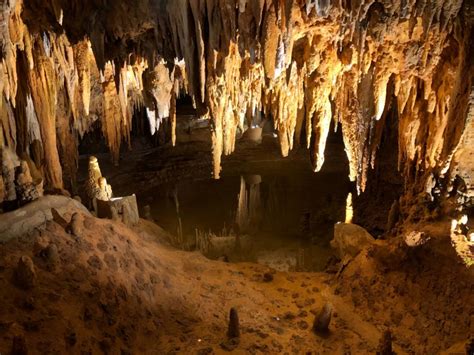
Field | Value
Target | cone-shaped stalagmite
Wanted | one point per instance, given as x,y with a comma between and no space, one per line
76,226
234,326
322,320
385,344
25,273
96,185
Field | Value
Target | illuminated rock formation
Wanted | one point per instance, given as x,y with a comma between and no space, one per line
96,185
27,190
305,64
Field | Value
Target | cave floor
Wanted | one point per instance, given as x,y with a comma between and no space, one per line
424,294
113,289
118,290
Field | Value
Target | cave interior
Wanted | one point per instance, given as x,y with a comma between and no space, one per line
242,176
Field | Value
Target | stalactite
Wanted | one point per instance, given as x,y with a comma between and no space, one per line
173,117
44,93
112,115
306,64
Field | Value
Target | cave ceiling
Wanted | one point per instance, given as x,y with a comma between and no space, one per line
309,65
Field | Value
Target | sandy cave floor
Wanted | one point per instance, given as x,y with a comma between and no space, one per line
115,290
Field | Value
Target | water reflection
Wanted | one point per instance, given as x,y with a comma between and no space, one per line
282,220
249,205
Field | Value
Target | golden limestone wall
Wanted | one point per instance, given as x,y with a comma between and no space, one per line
305,63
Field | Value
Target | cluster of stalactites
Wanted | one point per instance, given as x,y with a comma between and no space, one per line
307,64
310,64
52,92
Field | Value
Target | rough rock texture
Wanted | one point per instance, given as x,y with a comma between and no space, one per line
124,291
67,64
350,239
25,274
389,279
96,186
123,209
322,320
20,222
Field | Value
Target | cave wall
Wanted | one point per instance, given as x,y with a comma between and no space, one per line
65,64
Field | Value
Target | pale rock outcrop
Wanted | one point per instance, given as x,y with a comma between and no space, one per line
36,213
96,185
350,239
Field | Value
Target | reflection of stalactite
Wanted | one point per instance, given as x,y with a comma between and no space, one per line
242,207
254,203
274,208
180,225
249,208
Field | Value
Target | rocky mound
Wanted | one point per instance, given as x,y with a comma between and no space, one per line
84,286
423,293
77,284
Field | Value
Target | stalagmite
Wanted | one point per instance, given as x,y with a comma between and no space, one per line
349,208
234,327
26,189
96,185
25,273
322,320
76,225
385,345
9,162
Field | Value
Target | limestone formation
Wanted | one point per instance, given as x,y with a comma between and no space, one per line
303,64
385,345
50,255
9,162
96,185
105,190
76,225
234,327
350,239
129,214
322,320
26,189
124,209
25,273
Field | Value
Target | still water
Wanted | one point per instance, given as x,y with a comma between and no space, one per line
280,217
